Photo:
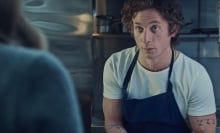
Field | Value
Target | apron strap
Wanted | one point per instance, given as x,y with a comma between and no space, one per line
169,84
128,75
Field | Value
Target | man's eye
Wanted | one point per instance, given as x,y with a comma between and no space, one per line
139,29
154,28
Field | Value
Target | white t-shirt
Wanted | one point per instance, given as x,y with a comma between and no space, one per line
192,86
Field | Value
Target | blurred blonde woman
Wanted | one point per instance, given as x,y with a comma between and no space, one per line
36,91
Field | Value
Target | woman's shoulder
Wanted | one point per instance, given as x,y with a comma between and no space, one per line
22,59
10,51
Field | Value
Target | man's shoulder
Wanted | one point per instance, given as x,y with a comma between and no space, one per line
189,59
119,62
190,63
124,54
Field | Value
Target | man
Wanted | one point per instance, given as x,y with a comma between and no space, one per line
153,88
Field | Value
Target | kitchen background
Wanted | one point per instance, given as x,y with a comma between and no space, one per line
83,34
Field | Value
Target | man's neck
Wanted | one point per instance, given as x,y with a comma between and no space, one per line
158,63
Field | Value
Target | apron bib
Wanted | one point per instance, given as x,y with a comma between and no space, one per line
156,114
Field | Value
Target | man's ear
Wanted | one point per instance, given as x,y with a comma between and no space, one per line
131,31
174,31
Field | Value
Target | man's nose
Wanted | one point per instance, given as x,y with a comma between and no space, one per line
147,36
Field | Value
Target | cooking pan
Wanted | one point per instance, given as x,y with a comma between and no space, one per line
107,24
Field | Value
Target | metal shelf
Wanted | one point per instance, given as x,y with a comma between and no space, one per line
181,35
110,35
203,35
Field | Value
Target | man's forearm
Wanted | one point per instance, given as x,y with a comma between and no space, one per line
114,128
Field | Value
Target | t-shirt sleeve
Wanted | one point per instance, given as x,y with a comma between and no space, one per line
112,89
202,100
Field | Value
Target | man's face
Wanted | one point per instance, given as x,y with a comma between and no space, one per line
151,33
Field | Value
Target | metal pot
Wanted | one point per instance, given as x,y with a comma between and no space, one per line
106,24
103,23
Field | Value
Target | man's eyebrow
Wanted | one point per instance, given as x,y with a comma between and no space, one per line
155,21
152,22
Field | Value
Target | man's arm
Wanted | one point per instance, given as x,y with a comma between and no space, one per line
203,124
113,116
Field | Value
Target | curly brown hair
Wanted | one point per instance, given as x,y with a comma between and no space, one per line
170,10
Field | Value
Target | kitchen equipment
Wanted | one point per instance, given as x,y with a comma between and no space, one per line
103,23
107,24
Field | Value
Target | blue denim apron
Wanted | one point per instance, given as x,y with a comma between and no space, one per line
156,114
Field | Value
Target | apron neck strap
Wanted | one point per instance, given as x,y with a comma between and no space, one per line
169,84
128,75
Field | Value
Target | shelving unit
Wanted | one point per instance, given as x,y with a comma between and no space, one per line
126,35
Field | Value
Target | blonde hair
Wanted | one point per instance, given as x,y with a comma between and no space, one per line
28,35
16,28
